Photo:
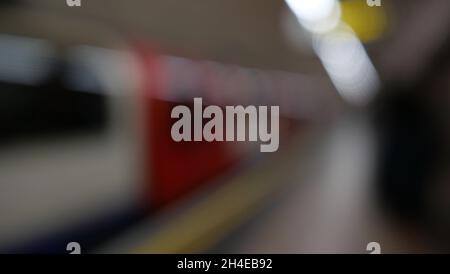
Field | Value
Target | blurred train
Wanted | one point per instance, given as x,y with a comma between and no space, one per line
85,127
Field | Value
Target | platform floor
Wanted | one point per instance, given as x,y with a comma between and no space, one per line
329,207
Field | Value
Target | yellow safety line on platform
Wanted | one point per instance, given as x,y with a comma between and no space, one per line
210,220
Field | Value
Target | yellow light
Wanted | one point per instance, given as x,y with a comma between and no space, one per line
368,23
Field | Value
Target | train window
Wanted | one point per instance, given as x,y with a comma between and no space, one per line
36,100
27,111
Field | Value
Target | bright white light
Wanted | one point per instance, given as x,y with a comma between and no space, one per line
340,51
314,10
316,15
348,65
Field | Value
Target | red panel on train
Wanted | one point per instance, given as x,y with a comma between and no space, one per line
172,168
